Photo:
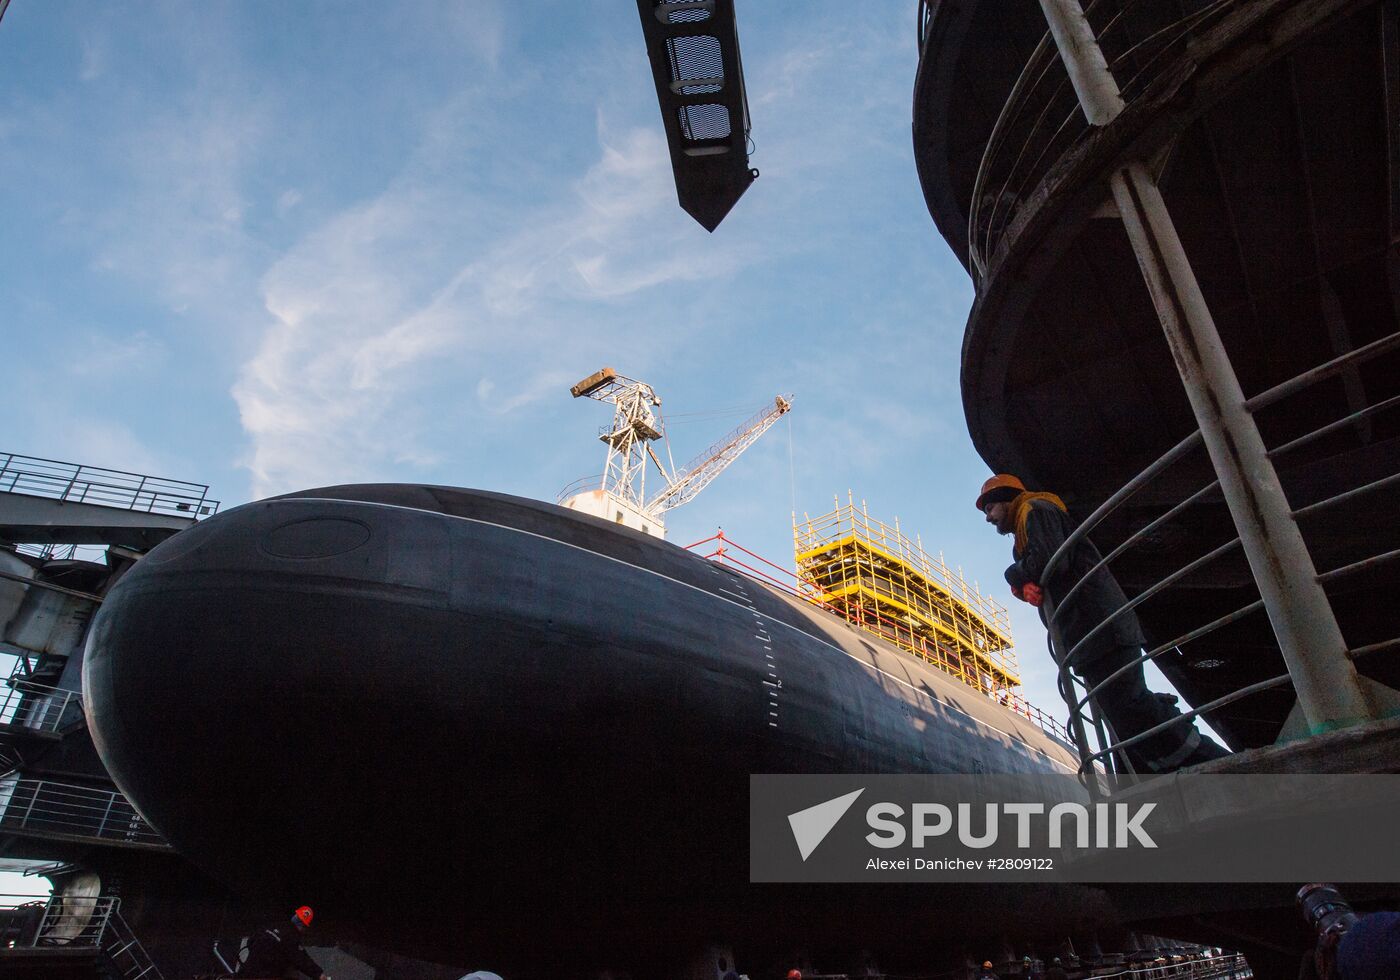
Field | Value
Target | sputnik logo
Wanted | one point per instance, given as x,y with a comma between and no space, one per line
810,826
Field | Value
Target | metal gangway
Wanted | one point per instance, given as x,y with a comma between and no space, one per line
37,477
38,708
73,927
44,808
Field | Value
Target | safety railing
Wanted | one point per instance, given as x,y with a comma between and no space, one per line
581,485
847,520
65,552
38,707
40,806
1041,119
1233,966
1111,750
75,923
107,488
725,551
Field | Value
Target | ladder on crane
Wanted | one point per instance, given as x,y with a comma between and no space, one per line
620,494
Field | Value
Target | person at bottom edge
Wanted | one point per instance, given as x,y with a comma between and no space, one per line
275,951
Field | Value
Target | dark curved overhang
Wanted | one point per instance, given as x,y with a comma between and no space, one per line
1062,293
970,56
1269,136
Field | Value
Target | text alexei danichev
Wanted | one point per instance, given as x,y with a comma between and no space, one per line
960,864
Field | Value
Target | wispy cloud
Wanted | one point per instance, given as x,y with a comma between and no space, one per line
95,53
111,356
522,392
176,222
287,200
357,320
372,312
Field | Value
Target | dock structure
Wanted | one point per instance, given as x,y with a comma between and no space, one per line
68,533
1181,221
1204,372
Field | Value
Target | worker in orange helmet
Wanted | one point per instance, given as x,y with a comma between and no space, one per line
794,975
273,951
1040,523
987,973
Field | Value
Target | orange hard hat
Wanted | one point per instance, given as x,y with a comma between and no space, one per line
794,975
987,964
303,915
1002,481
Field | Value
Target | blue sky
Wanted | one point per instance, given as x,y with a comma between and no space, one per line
268,246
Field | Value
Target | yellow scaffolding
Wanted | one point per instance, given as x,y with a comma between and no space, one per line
875,578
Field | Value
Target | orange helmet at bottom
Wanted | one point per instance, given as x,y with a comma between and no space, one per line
1010,486
794,975
987,964
303,915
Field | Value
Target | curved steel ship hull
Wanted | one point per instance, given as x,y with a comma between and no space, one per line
512,732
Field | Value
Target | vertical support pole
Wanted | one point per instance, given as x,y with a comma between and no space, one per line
33,798
1390,64
1084,61
1328,687
1329,691
43,929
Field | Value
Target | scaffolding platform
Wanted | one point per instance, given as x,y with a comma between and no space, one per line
877,579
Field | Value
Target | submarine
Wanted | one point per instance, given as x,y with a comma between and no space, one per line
498,730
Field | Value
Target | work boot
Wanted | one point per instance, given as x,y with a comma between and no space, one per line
1208,751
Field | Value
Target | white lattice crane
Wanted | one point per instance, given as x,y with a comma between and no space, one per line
620,493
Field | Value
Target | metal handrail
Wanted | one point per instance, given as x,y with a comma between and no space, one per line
1186,716
76,922
1043,111
1200,969
66,922
38,707
1159,586
43,806
583,483
38,477
1203,969
847,519
1120,496
1064,658
1324,371
1157,651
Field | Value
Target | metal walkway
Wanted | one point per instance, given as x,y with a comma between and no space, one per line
48,810
38,710
70,936
44,501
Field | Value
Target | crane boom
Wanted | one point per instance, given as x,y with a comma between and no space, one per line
702,470
619,494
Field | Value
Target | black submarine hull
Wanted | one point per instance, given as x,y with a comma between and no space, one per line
507,733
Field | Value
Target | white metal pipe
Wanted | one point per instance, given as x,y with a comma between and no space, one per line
1329,691
1098,92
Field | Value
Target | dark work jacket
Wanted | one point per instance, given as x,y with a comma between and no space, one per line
1056,973
272,951
1047,527
1370,950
